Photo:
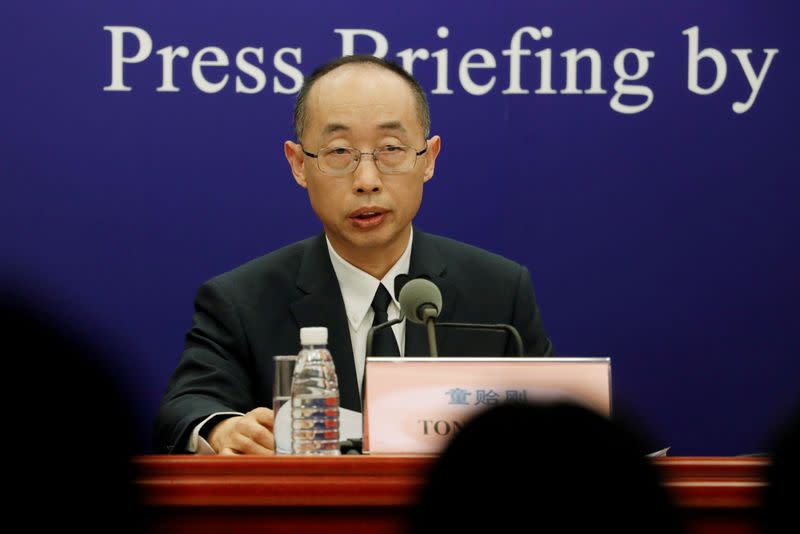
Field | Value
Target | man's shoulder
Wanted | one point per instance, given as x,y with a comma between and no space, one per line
466,256
277,267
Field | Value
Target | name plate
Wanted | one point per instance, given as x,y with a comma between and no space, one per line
415,405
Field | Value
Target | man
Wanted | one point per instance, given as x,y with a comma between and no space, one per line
363,154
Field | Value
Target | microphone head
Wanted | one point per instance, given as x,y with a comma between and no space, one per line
416,295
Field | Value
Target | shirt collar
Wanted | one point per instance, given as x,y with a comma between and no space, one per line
358,287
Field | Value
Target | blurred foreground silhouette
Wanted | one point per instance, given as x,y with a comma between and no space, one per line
69,430
783,478
550,467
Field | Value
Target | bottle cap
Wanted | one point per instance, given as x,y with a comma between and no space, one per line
314,335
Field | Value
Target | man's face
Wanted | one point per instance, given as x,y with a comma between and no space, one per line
365,107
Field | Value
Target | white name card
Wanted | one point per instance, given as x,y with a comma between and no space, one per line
415,405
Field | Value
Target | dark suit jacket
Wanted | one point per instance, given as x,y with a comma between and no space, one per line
244,317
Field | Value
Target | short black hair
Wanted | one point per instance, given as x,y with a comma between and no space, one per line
423,110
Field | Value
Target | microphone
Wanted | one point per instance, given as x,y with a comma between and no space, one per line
400,282
421,302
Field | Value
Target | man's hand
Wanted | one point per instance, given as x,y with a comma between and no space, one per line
250,433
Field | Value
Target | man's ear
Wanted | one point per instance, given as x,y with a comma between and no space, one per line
434,146
294,155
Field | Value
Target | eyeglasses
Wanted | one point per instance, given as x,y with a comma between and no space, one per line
390,159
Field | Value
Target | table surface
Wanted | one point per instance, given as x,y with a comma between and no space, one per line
715,482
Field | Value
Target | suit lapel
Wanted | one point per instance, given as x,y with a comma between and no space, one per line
322,305
426,260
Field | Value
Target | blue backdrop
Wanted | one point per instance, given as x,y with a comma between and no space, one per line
659,223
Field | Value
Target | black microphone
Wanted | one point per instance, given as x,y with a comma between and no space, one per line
421,302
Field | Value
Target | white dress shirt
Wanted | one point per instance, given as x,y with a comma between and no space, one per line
358,289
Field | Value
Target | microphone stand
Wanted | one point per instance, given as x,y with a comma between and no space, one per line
428,314
432,348
474,326
431,327
377,327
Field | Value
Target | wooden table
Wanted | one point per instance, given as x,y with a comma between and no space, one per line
202,494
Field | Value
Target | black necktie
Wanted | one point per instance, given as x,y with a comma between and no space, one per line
383,341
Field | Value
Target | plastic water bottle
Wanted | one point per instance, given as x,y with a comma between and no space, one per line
315,396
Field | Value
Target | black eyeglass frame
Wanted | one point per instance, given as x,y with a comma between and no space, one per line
362,154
